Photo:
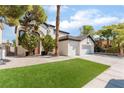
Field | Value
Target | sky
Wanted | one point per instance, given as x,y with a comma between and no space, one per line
72,18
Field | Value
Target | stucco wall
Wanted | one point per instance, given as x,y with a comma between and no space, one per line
0,36
63,47
21,51
86,46
73,48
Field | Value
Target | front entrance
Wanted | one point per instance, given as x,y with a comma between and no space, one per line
37,49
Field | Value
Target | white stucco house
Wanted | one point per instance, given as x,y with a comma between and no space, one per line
68,45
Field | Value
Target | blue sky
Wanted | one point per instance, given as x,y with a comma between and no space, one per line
73,17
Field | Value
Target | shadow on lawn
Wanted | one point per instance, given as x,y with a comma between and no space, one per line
113,83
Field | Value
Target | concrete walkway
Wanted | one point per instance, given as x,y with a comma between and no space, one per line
112,77
12,62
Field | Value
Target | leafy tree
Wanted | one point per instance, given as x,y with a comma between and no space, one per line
106,33
86,30
57,30
31,21
10,14
34,18
119,37
48,43
29,41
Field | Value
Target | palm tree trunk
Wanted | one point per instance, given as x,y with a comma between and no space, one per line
17,41
57,31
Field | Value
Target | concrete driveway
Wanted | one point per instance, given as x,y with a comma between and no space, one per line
112,77
12,62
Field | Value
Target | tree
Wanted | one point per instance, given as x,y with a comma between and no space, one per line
86,30
48,43
31,21
10,14
34,18
29,41
57,30
106,33
119,37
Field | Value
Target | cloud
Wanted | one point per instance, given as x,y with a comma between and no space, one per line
88,17
52,8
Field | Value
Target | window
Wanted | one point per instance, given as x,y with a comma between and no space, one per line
88,41
21,32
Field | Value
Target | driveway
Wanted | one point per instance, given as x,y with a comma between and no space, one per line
112,77
12,62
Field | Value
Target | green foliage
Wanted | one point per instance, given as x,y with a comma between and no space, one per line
86,30
29,41
115,33
34,17
48,43
11,13
106,32
14,43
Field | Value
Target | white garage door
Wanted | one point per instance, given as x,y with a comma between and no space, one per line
86,49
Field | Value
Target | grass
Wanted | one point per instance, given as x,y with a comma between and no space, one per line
73,73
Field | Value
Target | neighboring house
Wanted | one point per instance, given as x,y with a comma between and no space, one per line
68,45
103,43
76,45
1,28
0,36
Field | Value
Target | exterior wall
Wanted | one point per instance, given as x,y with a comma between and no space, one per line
86,46
21,51
73,48
63,48
0,36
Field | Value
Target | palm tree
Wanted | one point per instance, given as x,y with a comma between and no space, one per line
57,30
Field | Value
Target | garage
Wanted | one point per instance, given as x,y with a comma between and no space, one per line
76,45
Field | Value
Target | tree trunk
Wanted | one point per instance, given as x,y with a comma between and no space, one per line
57,31
17,41
121,52
107,43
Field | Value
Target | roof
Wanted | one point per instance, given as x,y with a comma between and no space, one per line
75,38
62,31
49,24
55,29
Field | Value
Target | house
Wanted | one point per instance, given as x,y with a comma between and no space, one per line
76,45
0,36
103,43
44,29
68,45
1,28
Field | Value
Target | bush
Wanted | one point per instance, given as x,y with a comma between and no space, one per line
112,50
48,43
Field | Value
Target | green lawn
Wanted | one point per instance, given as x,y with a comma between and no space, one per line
73,73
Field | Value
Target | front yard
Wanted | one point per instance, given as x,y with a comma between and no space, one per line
73,73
